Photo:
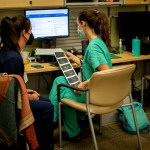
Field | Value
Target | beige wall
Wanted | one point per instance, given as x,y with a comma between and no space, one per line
114,37
34,83
113,20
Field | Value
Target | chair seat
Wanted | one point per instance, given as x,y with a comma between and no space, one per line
93,108
147,77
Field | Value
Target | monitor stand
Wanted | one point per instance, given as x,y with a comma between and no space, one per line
45,43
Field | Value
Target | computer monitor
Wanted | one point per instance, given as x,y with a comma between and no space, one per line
134,24
49,23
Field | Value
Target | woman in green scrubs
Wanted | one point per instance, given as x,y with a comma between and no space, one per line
94,25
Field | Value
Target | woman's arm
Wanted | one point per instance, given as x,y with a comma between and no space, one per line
14,66
103,67
85,83
82,85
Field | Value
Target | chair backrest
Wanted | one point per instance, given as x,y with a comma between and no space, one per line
110,87
8,110
15,109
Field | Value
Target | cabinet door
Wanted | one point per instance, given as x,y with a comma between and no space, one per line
78,1
137,1
93,2
14,3
46,3
30,3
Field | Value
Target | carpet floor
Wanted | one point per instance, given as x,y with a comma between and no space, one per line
113,138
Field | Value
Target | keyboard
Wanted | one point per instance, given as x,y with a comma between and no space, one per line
47,51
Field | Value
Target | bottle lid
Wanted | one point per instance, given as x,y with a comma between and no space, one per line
120,41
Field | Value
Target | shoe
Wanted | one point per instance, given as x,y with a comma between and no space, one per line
75,139
83,123
51,147
55,125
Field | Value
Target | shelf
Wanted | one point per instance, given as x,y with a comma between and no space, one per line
89,3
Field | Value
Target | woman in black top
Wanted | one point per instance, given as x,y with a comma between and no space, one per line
16,32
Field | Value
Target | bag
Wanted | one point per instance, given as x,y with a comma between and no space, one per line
126,116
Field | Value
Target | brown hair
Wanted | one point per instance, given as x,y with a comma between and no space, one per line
11,30
97,20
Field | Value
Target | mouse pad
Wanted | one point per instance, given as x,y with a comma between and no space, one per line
67,68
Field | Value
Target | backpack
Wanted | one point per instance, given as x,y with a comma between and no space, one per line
126,116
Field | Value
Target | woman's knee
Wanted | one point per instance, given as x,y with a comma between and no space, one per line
60,79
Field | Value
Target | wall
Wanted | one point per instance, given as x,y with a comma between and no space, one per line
112,12
75,41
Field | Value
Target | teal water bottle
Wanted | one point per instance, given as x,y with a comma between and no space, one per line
136,47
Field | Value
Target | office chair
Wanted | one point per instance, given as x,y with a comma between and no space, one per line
144,78
15,114
105,93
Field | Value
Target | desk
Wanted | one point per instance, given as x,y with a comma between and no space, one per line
126,57
46,67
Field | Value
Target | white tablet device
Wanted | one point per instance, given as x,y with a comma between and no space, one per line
67,68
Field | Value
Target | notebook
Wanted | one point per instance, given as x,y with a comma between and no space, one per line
67,68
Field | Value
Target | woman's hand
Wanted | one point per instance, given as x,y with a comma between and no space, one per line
33,95
73,58
82,85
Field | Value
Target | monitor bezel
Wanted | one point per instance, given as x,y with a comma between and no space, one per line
50,37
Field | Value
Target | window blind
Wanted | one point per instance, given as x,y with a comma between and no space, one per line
74,40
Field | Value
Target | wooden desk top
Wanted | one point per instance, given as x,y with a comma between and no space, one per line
126,57
46,67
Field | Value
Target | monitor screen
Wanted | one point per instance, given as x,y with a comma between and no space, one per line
49,23
134,24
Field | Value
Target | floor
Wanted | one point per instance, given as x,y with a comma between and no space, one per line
113,138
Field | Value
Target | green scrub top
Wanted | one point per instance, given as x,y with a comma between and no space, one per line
96,54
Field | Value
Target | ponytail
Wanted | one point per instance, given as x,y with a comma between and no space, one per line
104,29
9,37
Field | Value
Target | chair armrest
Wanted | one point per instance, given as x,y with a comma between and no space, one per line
70,87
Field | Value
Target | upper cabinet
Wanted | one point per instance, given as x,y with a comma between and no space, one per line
53,3
93,2
30,3
14,3
132,2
